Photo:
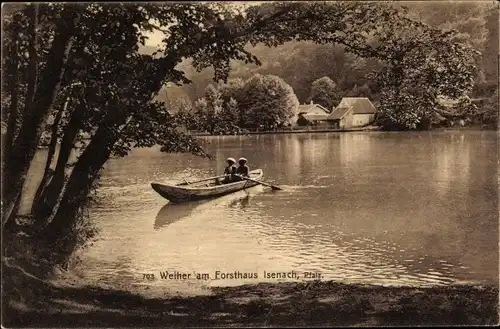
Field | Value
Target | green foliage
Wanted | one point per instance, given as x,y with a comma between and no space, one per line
213,115
488,115
394,113
154,125
212,36
174,98
261,101
465,108
390,42
213,98
324,92
232,89
476,24
363,91
299,64
115,101
489,64
230,112
269,102
325,32
425,63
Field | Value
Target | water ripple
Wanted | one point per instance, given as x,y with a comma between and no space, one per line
344,211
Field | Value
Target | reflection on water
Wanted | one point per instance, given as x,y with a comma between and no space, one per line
383,208
241,203
170,213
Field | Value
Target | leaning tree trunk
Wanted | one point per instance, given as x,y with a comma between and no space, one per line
11,225
87,168
14,98
41,209
78,187
47,173
25,145
84,174
47,200
32,73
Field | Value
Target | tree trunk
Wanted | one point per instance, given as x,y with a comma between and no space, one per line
14,101
25,145
86,169
89,163
53,184
11,224
47,173
32,73
43,206
78,187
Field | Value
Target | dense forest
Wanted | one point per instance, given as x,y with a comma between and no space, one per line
300,63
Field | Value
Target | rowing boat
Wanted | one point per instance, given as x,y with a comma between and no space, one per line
203,189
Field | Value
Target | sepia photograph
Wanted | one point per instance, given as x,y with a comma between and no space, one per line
250,164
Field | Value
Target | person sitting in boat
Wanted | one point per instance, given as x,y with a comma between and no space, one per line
229,171
243,169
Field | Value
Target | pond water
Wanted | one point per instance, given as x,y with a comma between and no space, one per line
413,209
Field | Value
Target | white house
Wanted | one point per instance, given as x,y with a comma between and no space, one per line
353,112
313,112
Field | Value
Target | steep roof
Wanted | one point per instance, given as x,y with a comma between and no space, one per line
339,112
360,105
305,108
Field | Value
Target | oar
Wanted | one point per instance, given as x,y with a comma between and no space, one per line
261,183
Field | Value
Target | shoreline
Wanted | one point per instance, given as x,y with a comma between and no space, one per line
347,130
297,131
311,303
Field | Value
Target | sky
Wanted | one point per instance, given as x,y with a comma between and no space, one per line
154,38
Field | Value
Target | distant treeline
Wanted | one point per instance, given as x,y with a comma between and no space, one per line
301,63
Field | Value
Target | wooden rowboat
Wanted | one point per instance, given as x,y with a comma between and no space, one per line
203,189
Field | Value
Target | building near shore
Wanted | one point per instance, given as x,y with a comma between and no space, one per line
313,113
353,112
341,117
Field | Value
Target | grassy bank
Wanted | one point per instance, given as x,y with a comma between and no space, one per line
288,304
